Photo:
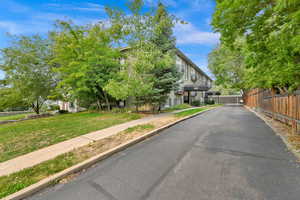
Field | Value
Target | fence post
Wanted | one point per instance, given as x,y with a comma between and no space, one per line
273,92
293,107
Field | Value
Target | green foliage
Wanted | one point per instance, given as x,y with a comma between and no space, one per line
11,100
165,77
271,30
134,79
28,74
54,107
149,73
196,103
178,107
86,60
226,91
228,66
209,102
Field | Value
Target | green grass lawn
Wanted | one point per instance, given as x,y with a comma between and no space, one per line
177,107
190,112
196,110
14,117
23,137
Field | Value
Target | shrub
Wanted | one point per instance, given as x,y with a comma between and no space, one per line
63,111
196,103
93,107
54,107
210,102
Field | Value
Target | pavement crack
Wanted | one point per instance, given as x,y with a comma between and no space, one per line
240,153
100,189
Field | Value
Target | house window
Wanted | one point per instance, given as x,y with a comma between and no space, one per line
178,65
193,72
186,71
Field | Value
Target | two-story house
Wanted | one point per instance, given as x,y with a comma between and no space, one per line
193,83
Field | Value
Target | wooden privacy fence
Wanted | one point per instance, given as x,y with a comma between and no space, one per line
281,107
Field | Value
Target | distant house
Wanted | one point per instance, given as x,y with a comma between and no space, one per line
69,106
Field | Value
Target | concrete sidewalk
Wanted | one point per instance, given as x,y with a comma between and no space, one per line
50,152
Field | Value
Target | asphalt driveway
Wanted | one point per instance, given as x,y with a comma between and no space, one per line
224,154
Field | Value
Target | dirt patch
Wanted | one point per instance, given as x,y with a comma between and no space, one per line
106,144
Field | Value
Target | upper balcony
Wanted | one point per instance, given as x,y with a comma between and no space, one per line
196,87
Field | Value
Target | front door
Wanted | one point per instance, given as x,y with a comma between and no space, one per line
186,97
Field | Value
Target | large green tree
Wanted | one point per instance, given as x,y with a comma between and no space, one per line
86,60
149,73
271,29
228,66
167,76
28,74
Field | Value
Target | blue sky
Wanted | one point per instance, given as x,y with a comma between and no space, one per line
195,39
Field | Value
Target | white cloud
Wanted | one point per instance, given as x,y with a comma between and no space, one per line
40,23
9,26
28,27
93,7
189,34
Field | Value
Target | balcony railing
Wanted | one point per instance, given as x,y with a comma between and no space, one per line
202,87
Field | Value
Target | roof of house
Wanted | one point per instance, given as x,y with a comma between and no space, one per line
183,56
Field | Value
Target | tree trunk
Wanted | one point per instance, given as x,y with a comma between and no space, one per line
136,108
33,107
36,107
107,101
99,105
159,108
